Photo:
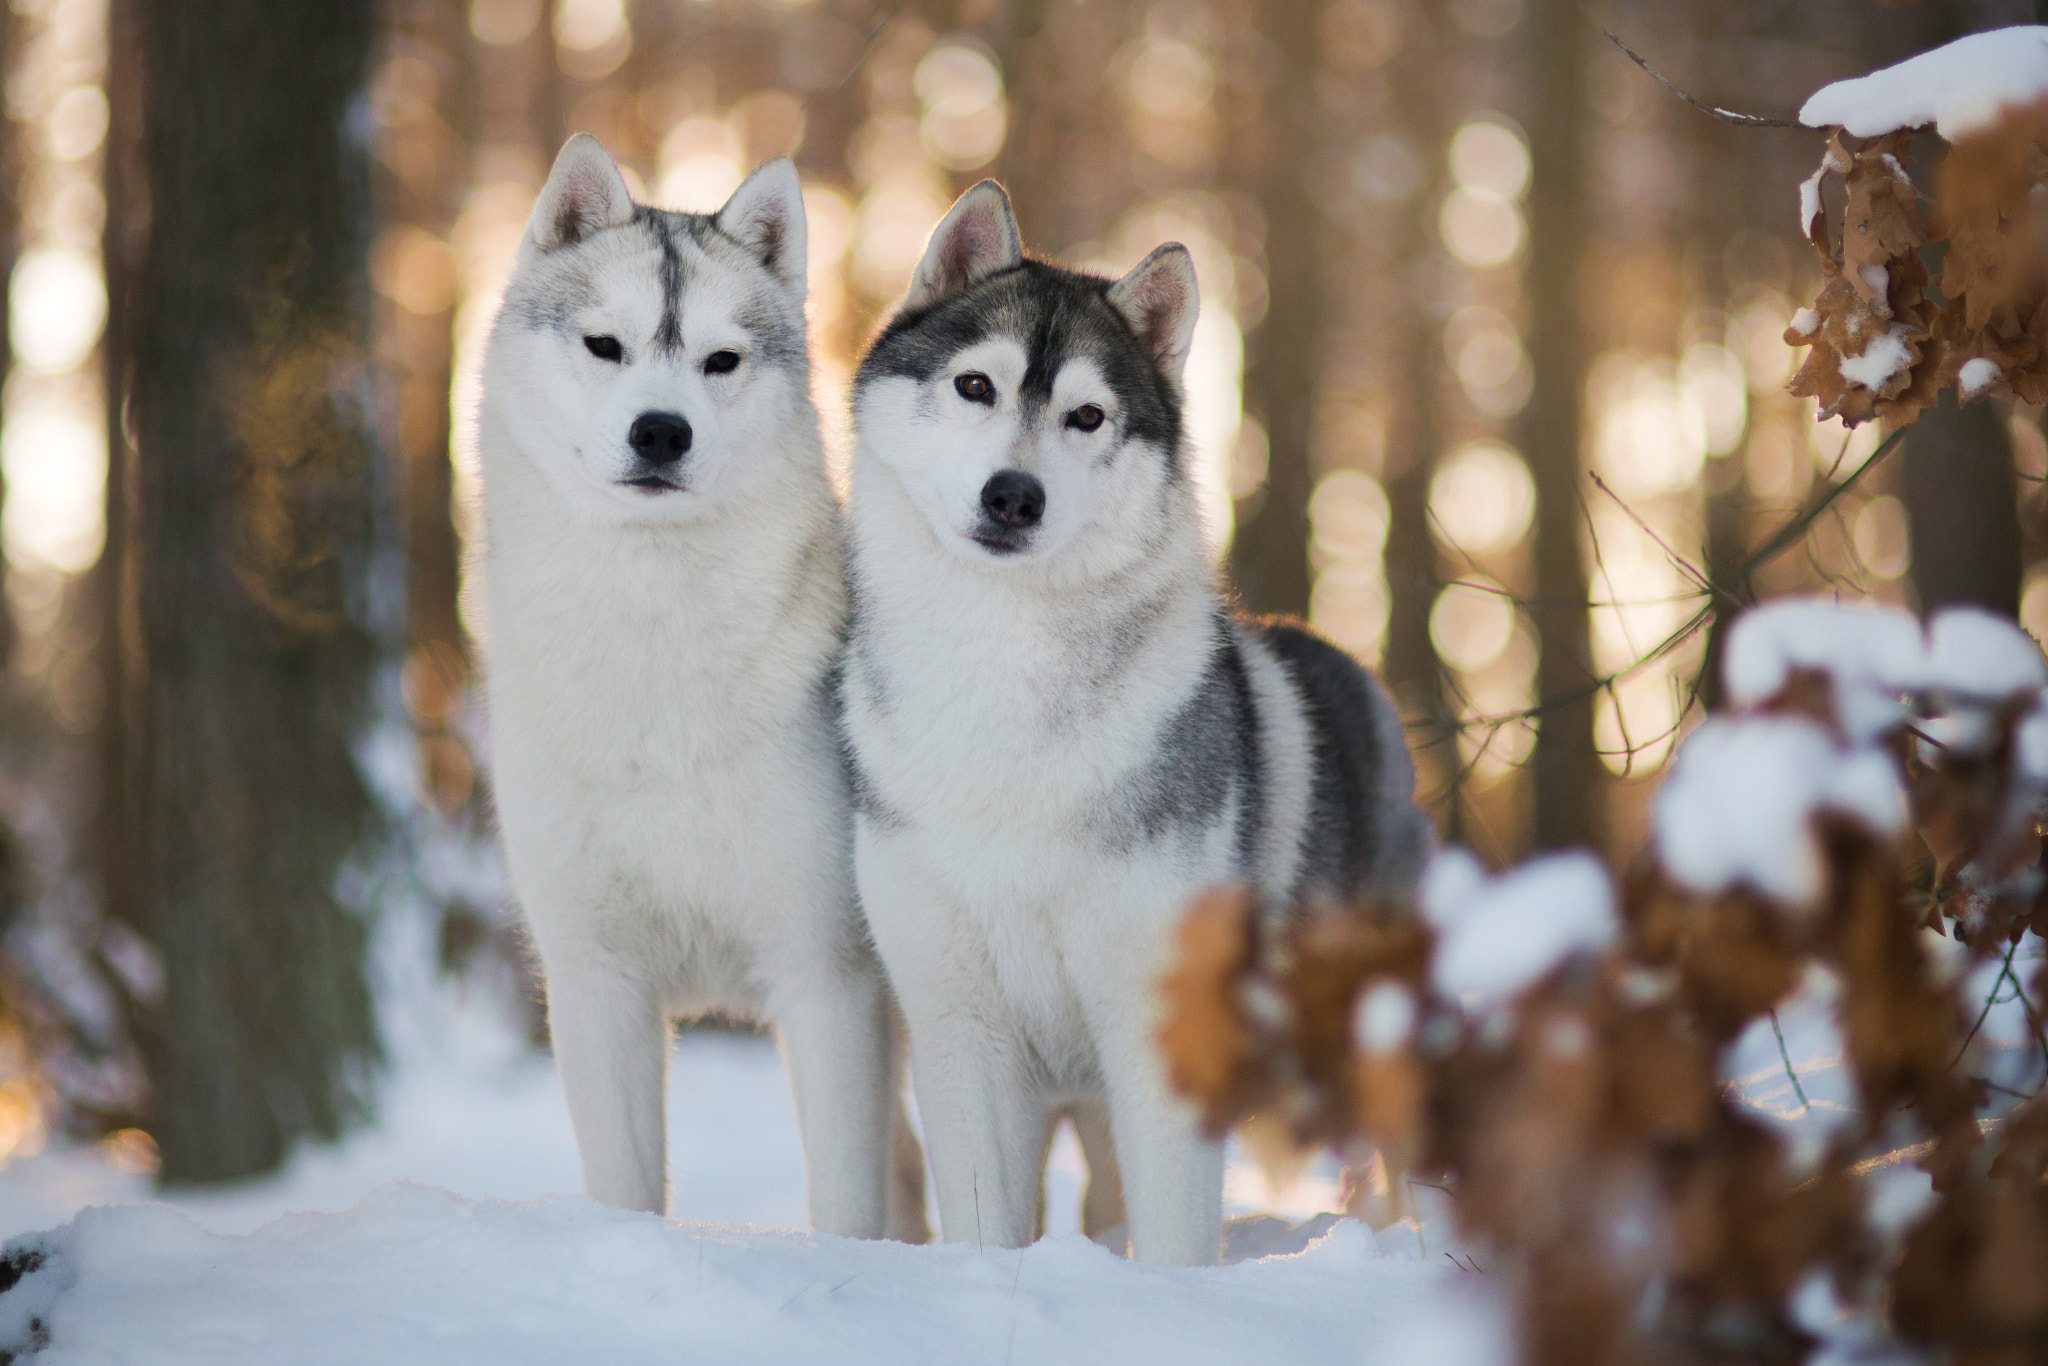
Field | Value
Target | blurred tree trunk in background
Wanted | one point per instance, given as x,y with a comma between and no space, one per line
115,854
10,245
1411,669
1719,202
1962,508
1569,792
255,503
1283,357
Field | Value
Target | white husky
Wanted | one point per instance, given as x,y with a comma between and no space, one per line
666,603
1061,735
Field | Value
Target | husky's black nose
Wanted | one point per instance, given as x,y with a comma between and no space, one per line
1013,498
660,438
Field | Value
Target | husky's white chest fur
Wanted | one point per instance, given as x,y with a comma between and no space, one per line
665,601
1060,736
1020,768
658,706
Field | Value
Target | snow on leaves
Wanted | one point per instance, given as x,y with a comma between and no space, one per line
1873,322
1887,338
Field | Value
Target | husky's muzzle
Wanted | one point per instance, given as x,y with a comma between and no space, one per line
1012,505
659,442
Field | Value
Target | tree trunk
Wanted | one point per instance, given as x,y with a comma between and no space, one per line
1411,668
1569,797
1283,369
1962,508
116,856
255,505
10,230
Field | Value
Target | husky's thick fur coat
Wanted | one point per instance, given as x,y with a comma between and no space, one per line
666,599
1061,735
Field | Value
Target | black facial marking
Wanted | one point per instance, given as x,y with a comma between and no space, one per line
668,336
1056,316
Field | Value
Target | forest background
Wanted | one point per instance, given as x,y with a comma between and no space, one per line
1490,385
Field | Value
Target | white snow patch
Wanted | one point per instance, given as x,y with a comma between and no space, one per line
1471,1324
1874,655
1975,653
1809,202
1805,323
1978,374
1900,1196
413,1274
1385,1018
2030,744
1959,88
1499,935
1882,357
1738,806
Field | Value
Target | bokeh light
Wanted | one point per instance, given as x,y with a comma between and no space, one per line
1348,519
54,452
1883,538
1470,623
57,305
1482,497
965,116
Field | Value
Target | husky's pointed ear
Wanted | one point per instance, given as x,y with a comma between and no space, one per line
584,194
1159,300
766,216
977,237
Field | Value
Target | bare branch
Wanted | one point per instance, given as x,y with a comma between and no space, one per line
1725,115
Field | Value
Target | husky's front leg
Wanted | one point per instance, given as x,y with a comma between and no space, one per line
611,1049
984,1118
1172,1173
837,1046
983,1122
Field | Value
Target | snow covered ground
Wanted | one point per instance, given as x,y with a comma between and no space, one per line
449,1232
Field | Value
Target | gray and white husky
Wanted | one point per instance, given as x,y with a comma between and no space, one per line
665,578
1061,733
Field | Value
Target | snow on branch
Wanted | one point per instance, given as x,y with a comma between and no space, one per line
1959,89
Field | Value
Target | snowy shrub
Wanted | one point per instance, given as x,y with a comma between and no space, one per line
1554,1049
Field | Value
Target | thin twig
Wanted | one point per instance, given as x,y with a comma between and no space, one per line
1794,530
1725,115
1785,1055
2033,1020
867,47
1683,565
2004,971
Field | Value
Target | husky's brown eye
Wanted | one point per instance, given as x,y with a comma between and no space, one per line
721,362
605,348
1085,418
975,388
